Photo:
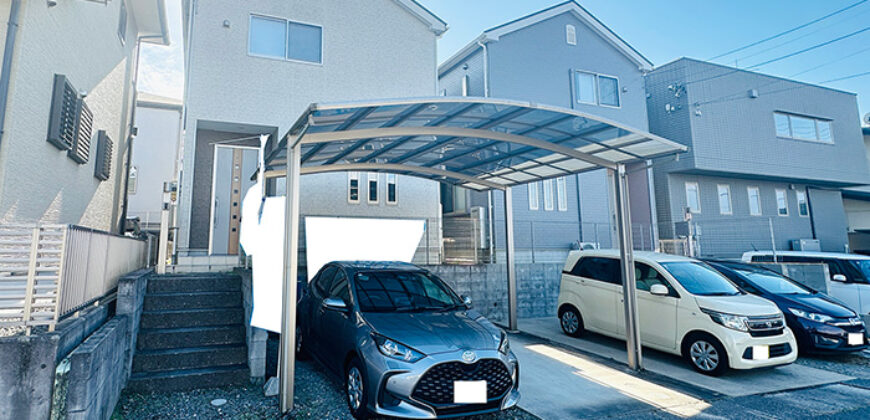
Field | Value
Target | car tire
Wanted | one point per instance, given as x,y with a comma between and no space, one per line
301,348
356,390
706,354
571,321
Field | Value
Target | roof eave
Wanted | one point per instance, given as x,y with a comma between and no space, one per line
437,25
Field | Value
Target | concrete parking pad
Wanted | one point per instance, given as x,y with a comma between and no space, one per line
734,383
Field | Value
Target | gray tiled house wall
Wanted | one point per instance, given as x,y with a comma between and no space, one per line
732,139
520,68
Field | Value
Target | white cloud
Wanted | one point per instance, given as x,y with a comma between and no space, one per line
161,69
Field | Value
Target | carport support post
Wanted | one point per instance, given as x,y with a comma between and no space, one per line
509,259
291,255
626,258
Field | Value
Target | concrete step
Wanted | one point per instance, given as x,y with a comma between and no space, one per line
177,338
180,380
189,358
195,300
194,283
180,318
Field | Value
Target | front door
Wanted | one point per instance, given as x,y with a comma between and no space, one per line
233,167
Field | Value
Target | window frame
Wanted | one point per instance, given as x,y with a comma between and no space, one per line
784,192
353,176
571,34
536,203
697,195
798,200
758,196
618,98
730,201
596,90
372,177
816,121
287,22
562,193
395,183
549,200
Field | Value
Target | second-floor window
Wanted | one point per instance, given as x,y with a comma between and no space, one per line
285,39
533,195
693,197
596,89
798,127
803,206
562,193
373,187
548,194
724,191
353,187
781,203
754,201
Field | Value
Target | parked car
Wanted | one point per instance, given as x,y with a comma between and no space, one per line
820,323
850,273
685,307
405,343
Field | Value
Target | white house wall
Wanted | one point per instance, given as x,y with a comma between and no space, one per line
155,159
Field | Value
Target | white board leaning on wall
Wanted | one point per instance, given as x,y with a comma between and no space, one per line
326,239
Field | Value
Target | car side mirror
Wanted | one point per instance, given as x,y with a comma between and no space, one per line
466,300
335,304
659,290
839,278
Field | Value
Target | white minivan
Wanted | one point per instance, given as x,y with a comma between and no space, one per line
685,307
849,279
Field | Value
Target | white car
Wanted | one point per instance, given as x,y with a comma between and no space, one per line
685,307
850,274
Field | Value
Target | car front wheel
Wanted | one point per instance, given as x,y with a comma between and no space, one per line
707,355
571,322
355,390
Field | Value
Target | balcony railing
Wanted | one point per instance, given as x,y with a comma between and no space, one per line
48,272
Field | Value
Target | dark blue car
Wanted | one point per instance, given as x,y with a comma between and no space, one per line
820,323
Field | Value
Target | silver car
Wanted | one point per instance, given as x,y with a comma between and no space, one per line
404,342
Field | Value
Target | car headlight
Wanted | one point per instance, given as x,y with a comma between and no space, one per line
504,347
812,316
396,350
735,322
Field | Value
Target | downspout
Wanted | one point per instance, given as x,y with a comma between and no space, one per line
489,200
6,69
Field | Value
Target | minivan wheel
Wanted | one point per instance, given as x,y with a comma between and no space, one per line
355,390
707,355
571,322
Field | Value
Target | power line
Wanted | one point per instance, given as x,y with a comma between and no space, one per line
830,62
788,31
773,60
846,77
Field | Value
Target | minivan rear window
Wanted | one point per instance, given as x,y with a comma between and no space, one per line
597,268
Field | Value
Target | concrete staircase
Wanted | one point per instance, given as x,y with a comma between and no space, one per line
191,334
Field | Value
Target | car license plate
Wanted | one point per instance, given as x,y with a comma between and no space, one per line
760,352
856,339
469,392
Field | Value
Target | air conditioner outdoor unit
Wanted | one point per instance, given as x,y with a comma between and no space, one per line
806,245
586,246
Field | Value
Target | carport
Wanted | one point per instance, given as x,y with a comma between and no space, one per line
477,143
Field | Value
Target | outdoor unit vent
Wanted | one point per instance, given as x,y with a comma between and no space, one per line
64,114
570,34
811,245
103,159
81,147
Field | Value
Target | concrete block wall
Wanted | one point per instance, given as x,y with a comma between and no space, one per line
131,295
256,337
26,376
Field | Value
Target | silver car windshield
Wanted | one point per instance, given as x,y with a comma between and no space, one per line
396,291
701,279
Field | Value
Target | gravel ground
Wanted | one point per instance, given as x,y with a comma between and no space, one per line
318,396
856,364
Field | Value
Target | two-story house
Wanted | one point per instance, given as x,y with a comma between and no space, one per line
768,158
253,67
566,57
857,204
66,107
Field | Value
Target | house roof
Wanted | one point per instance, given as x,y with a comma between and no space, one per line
477,143
435,23
151,20
571,6
150,100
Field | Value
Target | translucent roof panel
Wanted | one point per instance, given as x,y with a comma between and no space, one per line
479,143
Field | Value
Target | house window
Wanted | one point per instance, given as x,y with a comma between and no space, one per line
548,194
781,203
353,187
596,89
570,34
803,206
392,198
533,195
724,191
122,23
798,127
285,39
754,201
693,197
562,193
373,187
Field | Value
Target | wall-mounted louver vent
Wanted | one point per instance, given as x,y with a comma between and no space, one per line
103,158
570,34
81,147
64,110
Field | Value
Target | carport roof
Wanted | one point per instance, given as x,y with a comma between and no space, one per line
478,143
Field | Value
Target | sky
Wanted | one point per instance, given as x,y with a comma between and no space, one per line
661,30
